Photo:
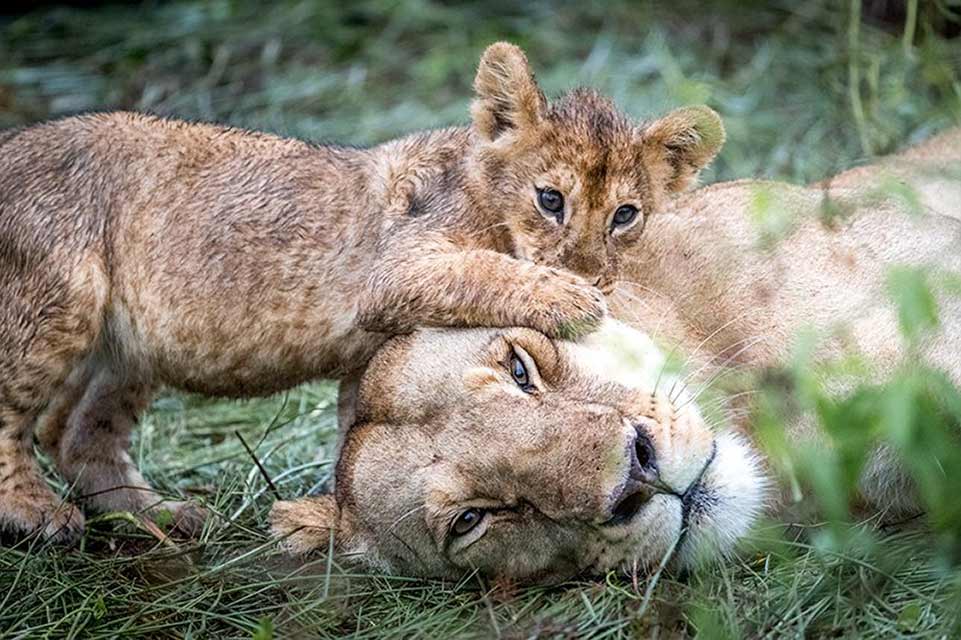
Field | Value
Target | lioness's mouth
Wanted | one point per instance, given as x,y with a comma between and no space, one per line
635,495
695,491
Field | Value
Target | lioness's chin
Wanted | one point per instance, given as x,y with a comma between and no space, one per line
704,527
732,496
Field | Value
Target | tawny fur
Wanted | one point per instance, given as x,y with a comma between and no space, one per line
442,426
438,423
706,280
137,251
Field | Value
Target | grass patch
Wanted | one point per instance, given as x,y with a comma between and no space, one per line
805,90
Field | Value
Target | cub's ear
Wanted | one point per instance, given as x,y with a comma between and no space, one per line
306,524
508,99
686,140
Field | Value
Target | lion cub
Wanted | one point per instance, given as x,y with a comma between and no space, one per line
137,251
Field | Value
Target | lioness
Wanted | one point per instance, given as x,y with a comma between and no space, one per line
451,467
709,280
137,251
526,459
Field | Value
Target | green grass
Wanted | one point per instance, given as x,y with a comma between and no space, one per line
804,90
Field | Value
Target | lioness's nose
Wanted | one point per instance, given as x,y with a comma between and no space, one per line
642,481
643,457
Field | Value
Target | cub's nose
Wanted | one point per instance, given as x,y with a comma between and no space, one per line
642,482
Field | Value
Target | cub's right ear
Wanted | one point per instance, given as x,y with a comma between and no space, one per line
685,141
508,99
305,525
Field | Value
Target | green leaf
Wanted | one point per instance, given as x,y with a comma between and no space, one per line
99,607
909,617
264,630
163,518
917,307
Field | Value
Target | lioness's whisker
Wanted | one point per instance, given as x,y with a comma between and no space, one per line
701,344
642,287
747,342
719,403
396,537
405,516
633,298
721,371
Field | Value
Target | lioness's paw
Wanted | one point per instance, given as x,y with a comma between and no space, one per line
563,305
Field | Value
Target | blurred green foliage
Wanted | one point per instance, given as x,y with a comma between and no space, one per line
361,73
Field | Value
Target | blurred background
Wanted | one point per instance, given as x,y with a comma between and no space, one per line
805,88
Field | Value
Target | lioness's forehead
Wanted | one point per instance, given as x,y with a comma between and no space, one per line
617,353
614,353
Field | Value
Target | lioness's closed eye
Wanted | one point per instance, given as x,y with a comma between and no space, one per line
525,464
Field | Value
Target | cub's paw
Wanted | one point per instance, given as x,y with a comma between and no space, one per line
563,305
57,522
187,518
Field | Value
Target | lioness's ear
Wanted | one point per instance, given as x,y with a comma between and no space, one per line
687,139
507,96
306,524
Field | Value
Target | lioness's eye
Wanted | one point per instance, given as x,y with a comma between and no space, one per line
551,202
519,373
466,521
625,215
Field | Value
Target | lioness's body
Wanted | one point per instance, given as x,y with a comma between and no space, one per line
705,272
701,281
707,282
137,251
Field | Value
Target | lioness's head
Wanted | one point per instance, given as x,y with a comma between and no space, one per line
522,458
575,177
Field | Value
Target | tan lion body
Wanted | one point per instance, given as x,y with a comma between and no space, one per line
705,281
137,251
703,273
440,427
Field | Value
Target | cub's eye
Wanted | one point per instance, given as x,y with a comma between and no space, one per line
519,373
624,215
466,521
551,202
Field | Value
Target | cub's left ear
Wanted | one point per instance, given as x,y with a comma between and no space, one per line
508,99
686,140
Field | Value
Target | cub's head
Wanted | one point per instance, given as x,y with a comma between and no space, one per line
575,178
525,459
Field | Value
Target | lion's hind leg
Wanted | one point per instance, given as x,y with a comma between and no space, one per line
48,323
93,451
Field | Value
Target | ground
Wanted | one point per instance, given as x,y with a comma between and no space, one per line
805,89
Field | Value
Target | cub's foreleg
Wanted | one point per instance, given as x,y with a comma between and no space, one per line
449,286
